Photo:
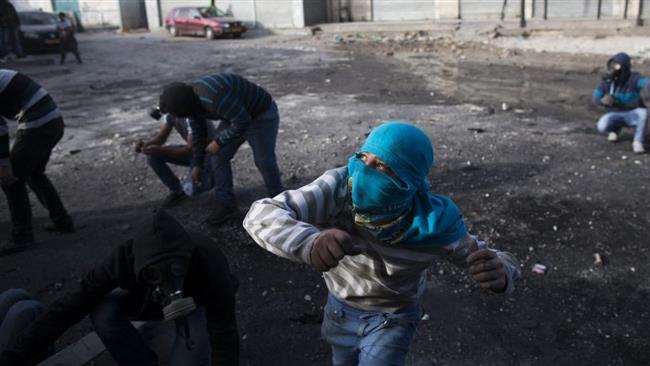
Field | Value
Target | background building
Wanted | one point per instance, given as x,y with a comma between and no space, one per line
134,14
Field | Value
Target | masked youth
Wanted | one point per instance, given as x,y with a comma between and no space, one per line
620,94
163,273
373,228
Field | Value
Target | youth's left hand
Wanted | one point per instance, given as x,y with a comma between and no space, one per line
212,148
487,269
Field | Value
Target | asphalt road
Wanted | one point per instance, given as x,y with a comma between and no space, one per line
534,179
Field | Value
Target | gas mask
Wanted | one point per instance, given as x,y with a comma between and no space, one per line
168,277
614,70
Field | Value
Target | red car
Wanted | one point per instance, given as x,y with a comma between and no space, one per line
209,22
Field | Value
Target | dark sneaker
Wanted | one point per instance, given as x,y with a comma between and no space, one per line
223,212
173,199
63,225
15,246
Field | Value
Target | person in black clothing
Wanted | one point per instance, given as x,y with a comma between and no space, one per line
163,273
40,127
247,113
9,31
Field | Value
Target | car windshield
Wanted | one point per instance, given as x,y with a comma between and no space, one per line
210,12
37,18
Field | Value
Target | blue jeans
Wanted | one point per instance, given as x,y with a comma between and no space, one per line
368,338
17,310
112,322
160,166
261,135
615,121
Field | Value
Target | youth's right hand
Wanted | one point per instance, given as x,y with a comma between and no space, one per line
608,100
329,248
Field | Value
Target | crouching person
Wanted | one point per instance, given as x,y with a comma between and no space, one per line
160,156
373,228
620,94
163,273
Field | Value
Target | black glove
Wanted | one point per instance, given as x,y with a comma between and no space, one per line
155,113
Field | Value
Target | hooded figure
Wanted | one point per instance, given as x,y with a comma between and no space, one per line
163,273
620,94
373,228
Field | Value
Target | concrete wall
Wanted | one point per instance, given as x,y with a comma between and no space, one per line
280,13
489,9
153,20
404,9
100,13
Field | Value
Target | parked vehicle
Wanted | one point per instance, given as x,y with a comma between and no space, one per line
38,31
209,22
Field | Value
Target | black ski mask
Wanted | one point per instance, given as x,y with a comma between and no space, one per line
179,100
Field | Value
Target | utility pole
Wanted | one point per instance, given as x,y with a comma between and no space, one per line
522,22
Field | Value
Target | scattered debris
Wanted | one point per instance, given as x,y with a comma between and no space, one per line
307,297
74,151
390,53
505,107
425,317
308,318
338,39
476,130
598,260
539,269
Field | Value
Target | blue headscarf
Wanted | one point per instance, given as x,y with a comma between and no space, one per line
400,210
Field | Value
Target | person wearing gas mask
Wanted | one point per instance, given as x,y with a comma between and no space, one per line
373,228
163,273
159,156
619,93
40,128
247,113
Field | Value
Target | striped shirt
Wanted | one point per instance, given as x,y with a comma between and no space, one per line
231,98
22,100
384,277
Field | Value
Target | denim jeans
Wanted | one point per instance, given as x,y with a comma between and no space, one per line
17,310
615,121
112,321
160,166
261,135
368,338
29,157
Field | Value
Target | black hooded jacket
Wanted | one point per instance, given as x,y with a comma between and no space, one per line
208,281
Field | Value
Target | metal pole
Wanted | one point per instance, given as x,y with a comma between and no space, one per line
459,9
600,6
522,23
545,9
639,20
627,2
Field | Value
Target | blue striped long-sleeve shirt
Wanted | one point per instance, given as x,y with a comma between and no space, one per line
22,100
231,98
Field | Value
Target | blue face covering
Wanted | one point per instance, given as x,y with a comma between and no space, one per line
401,210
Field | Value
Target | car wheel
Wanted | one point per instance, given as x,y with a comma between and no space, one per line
209,33
173,31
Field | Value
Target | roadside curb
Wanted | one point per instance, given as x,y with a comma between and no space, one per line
81,352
